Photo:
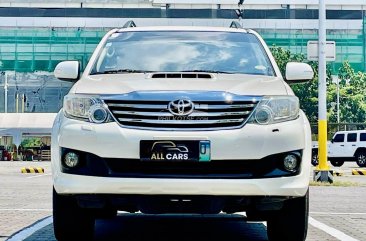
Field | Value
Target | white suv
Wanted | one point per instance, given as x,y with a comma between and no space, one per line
181,120
345,146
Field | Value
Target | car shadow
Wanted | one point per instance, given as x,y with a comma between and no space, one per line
139,227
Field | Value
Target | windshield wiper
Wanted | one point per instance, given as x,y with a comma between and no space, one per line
208,71
116,71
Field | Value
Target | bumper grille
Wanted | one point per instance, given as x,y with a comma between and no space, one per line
207,114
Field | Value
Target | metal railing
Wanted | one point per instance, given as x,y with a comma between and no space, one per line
334,127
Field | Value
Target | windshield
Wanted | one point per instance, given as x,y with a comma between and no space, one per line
187,51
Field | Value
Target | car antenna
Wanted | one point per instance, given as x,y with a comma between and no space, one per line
240,13
129,24
235,24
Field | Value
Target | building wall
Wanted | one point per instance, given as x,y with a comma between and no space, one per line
35,35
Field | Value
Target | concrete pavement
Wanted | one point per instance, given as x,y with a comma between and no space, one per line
26,198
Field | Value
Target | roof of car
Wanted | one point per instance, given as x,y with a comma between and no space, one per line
185,28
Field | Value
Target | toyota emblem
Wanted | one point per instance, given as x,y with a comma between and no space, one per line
181,107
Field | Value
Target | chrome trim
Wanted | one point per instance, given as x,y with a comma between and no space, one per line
179,107
168,114
187,122
141,106
210,107
199,98
168,96
197,106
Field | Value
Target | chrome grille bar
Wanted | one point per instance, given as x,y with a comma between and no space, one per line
186,122
139,106
212,110
194,114
224,106
197,107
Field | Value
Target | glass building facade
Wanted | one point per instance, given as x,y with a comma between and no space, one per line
28,55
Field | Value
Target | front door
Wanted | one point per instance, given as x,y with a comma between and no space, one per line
337,147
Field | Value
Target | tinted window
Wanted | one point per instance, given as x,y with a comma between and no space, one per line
339,138
363,137
184,51
352,137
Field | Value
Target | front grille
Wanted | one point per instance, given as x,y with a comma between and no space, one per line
207,114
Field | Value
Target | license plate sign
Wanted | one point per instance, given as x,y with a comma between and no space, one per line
175,151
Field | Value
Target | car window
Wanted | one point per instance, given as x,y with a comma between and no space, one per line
183,51
339,138
352,137
363,137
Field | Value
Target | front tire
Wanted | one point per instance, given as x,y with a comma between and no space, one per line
361,158
314,158
291,222
70,222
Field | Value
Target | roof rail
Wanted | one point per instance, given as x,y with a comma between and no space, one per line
235,24
129,24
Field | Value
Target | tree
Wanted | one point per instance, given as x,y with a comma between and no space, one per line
352,90
352,94
31,142
307,92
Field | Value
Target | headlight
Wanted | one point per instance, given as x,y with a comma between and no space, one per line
98,114
86,108
274,109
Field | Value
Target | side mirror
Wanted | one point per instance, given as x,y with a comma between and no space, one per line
332,141
68,71
298,72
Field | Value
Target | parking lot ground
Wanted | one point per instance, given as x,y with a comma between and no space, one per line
337,213
347,176
24,198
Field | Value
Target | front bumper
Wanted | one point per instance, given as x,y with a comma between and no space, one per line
92,165
250,142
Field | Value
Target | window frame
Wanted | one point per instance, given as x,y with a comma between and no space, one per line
339,134
352,134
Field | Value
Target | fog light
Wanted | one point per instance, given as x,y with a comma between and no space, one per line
98,114
290,162
71,159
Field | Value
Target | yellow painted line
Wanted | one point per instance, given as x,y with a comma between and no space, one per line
32,170
361,172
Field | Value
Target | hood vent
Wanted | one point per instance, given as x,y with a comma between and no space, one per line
181,76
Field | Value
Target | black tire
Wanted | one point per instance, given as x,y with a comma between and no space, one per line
314,158
70,222
361,158
291,222
336,163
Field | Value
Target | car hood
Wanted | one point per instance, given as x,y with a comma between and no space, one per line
234,83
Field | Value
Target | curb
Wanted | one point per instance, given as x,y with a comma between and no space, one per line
32,170
361,172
